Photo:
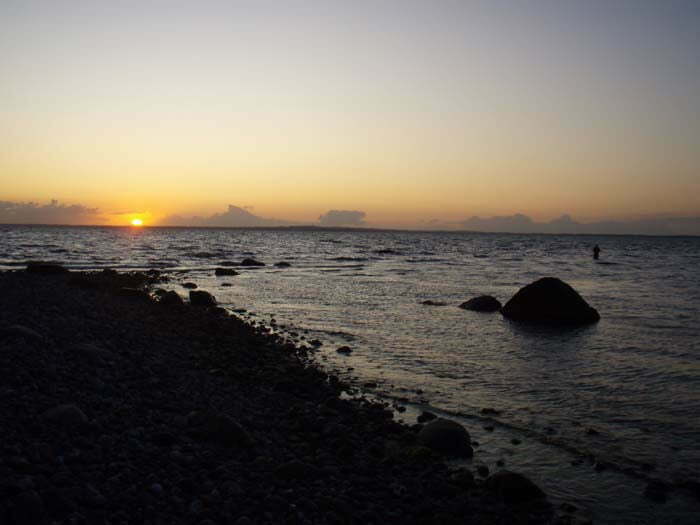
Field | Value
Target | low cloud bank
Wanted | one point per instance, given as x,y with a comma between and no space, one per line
52,213
520,223
342,218
234,217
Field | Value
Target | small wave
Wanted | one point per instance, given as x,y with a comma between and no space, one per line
349,259
419,260
163,264
205,255
338,333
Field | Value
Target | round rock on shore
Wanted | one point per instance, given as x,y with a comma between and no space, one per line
446,437
201,298
514,488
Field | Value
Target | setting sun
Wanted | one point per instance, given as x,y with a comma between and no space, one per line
136,222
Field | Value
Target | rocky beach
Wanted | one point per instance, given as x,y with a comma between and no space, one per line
123,404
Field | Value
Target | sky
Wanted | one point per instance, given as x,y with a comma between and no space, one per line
407,113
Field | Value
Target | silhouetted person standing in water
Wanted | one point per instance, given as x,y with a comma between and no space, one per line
596,252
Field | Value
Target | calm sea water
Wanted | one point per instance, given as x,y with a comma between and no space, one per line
598,410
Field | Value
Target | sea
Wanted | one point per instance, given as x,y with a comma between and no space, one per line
591,414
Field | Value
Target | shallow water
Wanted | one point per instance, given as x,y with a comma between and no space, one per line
633,378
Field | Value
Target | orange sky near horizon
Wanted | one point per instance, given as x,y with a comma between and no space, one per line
408,111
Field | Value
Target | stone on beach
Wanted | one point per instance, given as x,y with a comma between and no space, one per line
46,268
171,298
136,293
219,428
66,415
549,301
201,298
92,353
446,437
483,303
20,331
514,488
282,264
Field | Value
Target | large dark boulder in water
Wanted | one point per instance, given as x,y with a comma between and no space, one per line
483,303
549,301
447,438
514,488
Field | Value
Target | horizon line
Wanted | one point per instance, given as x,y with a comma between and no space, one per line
353,229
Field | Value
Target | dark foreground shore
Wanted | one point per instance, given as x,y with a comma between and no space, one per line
118,408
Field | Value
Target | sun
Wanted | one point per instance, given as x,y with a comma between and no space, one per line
136,222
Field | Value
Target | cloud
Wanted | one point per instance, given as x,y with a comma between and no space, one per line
234,217
52,213
519,223
342,218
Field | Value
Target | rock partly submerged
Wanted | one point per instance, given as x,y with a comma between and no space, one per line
430,302
549,301
513,488
251,262
225,271
446,437
482,303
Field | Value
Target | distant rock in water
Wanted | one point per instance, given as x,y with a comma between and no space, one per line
549,301
446,437
225,271
201,298
283,264
45,268
483,303
433,303
251,262
191,286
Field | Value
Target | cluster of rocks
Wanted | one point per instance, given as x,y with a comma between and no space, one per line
548,301
116,407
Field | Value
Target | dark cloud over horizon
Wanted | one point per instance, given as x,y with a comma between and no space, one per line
234,217
335,218
52,213
520,223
